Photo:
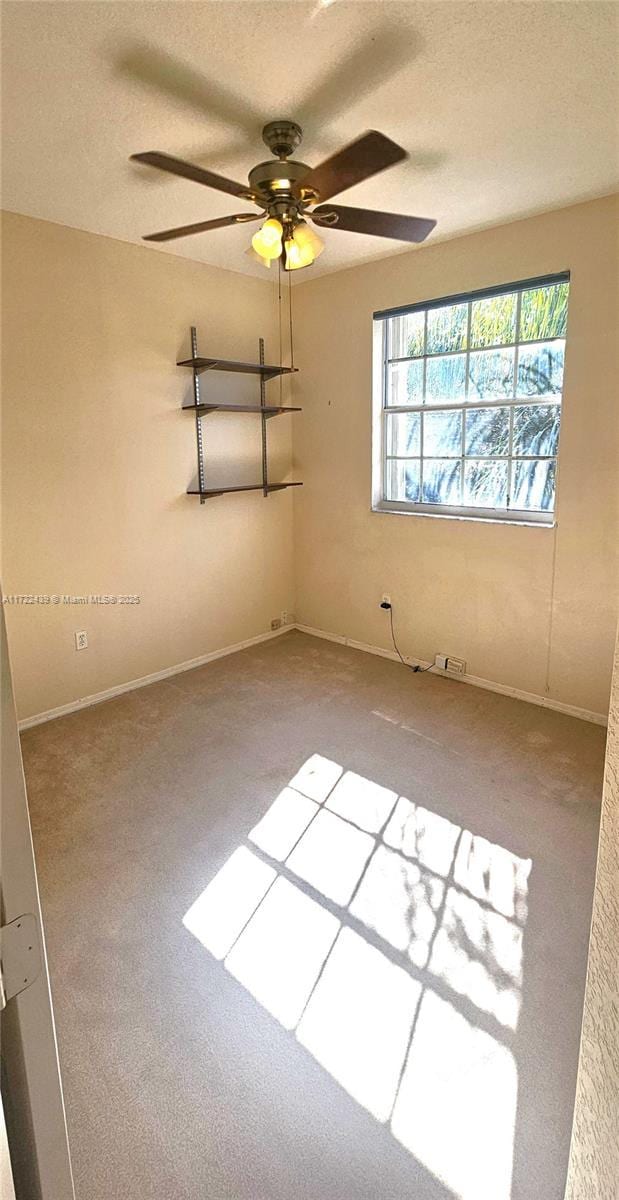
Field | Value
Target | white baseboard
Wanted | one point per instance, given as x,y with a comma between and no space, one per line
85,701
132,684
571,710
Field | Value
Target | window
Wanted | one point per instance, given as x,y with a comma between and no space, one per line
468,402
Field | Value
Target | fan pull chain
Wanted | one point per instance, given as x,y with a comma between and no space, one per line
279,314
290,318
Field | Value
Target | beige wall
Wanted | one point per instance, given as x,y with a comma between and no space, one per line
481,591
97,457
594,1156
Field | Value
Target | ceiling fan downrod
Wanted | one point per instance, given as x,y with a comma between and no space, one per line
282,137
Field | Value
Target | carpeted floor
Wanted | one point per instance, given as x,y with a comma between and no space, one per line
317,931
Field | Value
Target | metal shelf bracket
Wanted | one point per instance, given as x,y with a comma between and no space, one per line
263,420
196,400
264,373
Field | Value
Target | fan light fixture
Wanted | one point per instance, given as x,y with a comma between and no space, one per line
294,259
307,245
299,245
267,242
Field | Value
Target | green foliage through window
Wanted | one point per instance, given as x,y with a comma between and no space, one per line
543,312
493,321
478,386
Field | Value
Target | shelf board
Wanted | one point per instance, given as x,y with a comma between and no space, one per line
268,371
251,487
269,410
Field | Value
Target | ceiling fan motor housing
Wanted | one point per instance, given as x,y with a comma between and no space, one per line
278,185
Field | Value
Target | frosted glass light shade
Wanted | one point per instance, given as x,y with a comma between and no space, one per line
267,242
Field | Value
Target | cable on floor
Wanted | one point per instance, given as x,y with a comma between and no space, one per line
411,666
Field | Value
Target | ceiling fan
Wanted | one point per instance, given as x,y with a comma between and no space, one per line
286,190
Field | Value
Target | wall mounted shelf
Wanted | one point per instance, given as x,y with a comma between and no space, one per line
200,408
267,410
244,487
239,368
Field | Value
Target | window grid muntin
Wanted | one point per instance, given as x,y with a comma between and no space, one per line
510,481
511,402
472,457
475,349
425,379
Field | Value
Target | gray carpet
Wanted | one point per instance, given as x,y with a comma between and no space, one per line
317,931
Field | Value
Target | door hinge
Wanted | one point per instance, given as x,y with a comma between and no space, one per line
20,956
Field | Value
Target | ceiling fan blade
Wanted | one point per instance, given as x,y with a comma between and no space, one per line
371,153
376,58
379,224
156,69
177,166
202,226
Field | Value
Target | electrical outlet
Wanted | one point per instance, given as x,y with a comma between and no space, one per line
81,640
276,623
284,617
456,666
385,599
453,666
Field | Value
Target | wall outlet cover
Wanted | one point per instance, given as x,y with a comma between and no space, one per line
81,640
456,666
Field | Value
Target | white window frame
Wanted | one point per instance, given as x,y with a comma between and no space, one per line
381,409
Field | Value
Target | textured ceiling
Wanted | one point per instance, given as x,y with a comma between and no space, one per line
505,108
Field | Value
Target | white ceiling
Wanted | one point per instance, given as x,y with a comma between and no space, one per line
505,108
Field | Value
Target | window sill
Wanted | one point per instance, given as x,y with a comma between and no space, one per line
382,508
